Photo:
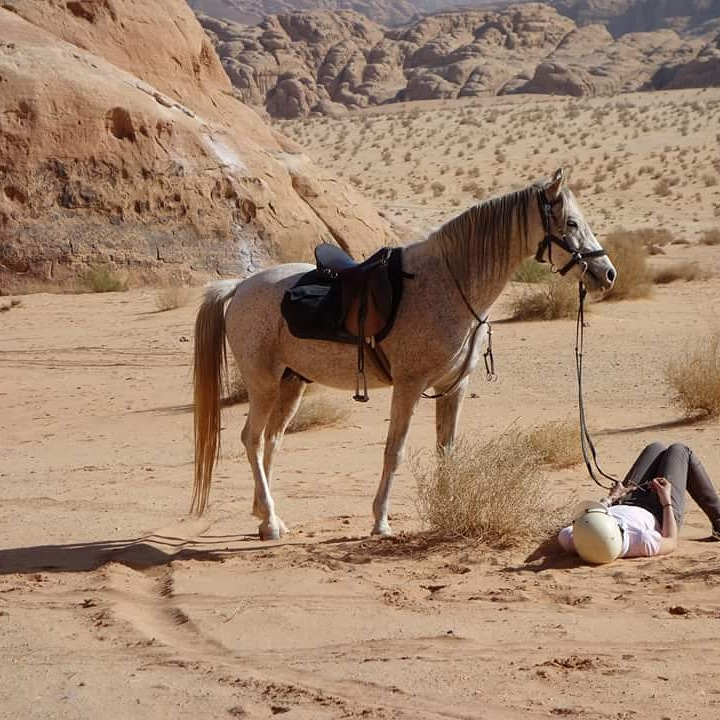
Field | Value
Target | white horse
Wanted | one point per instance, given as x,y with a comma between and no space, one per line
459,271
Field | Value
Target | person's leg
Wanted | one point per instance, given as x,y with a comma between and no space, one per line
674,467
703,492
640,475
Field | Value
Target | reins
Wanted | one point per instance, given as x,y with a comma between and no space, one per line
585,440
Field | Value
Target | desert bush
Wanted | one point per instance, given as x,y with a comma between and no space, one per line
437,188
628,253
662,187
686,271
694,378
14,303
172,297
101,279
710,237
493,491
557,443
551,300
318,411
531,271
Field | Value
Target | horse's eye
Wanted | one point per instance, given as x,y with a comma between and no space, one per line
572,224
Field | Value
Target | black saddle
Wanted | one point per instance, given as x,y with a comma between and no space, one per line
347,301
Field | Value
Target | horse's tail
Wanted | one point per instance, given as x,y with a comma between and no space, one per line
210,362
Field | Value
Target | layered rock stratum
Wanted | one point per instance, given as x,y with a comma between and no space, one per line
294,64
122,141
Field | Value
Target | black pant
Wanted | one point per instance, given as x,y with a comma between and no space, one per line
683,470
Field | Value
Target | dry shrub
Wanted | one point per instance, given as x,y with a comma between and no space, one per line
629,256
686,271
557,443
552,300
101,279
14,303
694,378
318,411
531,271
492,491
710,237
171,298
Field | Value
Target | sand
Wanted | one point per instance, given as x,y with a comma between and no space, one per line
114,603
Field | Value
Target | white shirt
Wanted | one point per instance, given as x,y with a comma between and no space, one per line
641,532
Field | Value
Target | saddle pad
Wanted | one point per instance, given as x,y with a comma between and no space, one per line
312,308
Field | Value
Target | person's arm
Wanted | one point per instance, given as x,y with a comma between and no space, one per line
669,529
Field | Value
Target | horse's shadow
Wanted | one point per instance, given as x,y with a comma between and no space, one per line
158,550
139,553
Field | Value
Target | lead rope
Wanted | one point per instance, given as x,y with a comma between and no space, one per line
585,439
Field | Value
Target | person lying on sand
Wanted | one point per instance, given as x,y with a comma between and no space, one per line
646,510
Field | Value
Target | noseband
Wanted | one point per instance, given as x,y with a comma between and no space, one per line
577,257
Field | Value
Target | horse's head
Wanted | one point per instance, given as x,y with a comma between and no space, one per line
569,244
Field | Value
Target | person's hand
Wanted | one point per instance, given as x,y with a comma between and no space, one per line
663,489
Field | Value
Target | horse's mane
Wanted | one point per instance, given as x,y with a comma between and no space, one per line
476,243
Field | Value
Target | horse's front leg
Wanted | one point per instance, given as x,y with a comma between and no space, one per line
447,412
404,401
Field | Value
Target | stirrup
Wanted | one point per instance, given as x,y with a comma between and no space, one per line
364,396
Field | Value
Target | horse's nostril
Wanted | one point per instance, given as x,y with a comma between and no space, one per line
611,275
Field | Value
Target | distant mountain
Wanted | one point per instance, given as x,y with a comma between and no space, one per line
390,13
701,17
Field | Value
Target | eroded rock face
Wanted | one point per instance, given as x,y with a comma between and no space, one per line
137,153
701,71
319,62
304,62
590,62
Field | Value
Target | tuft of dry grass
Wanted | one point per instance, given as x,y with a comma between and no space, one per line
101,279
551,300
531,271
687,271
629,255
492,491
557,443
710,237
318,411
694,378
14,303
172,297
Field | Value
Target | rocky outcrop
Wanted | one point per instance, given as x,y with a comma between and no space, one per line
701,71
590,62
121,141
314,62
328,63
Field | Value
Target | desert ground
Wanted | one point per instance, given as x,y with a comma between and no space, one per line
115,603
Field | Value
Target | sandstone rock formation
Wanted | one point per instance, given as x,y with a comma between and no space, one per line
315,61
121,141
300,63
701,71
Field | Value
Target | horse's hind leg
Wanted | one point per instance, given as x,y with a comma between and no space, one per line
262,401
286,405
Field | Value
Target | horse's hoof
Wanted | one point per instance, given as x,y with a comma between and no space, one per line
382,529
272,529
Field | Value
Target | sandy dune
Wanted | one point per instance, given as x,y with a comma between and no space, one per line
114,604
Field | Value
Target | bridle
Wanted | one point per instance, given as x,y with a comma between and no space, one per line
577,256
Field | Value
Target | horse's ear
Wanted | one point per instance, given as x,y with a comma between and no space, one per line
552,191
